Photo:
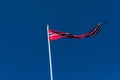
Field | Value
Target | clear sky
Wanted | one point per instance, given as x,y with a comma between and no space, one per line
23,40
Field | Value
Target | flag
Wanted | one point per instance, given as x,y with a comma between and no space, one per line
55,35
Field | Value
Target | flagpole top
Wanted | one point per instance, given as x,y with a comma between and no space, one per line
47,25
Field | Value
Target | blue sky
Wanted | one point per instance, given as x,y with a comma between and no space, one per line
23,43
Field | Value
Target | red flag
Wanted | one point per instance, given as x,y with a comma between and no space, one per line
54,35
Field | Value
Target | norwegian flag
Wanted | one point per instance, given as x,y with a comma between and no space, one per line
55,35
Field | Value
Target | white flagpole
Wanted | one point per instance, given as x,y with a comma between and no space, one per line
50,58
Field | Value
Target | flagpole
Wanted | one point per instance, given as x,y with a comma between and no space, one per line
50,58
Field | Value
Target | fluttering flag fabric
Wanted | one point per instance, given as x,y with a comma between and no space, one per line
55,35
